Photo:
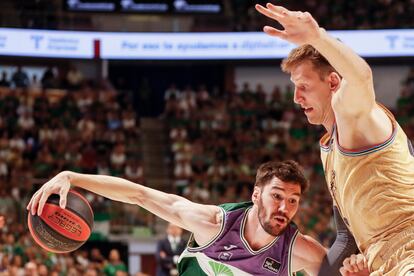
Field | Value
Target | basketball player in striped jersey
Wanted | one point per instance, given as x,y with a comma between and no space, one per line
367,157
250,238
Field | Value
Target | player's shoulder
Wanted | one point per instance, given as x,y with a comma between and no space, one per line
228,207
307,254
305,244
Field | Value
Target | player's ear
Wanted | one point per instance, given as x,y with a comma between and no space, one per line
256,194
334,81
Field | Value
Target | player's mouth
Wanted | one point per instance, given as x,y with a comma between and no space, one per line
280,220
307,110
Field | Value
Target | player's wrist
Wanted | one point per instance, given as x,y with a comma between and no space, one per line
318,37
67,175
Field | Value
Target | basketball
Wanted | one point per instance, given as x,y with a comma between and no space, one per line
62,230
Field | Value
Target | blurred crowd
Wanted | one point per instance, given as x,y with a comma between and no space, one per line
21,257
236,15
90,128
52,78
332,15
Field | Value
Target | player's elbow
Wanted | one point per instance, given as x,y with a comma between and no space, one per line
365,74
179,207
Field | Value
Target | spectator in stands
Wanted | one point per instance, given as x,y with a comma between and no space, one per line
49,78
35,85
114,264
168,251
3,81
26,121
129,119
118,159
43,270
20,79
187,100
97,259
141,274
30,269
134,171
172,92
74,78
16,265
91,272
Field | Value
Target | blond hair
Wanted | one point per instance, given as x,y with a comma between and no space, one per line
305,53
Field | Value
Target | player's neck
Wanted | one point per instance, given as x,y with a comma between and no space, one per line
329,124
254,233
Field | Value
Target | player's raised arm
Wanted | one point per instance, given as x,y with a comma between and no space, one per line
203,220
301,28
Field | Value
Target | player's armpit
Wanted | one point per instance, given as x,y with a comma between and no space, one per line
204,221
307,255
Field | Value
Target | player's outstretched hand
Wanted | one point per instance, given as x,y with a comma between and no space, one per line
355,265
299,27
2,221
57,185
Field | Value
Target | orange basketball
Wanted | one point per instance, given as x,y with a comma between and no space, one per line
62,230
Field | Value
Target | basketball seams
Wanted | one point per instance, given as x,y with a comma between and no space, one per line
86,203
84,199
53,234
79,215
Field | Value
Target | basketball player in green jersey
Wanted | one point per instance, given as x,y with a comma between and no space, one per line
367,158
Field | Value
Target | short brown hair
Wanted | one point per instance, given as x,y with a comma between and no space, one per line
307,53
286,171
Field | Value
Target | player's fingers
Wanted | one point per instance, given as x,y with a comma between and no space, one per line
63,193
352,259
31,201
360,259
347,265
298,15
346,262
278,9
29,204
44,196
343,271
274,32
34,202
307,16
267,12
353,262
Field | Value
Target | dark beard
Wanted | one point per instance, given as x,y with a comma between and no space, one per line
271,230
